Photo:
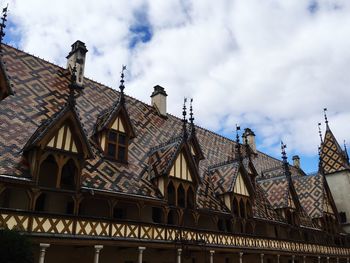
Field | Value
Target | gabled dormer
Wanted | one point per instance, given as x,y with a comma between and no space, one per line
233,186
59,147
174,171
57,150
114,130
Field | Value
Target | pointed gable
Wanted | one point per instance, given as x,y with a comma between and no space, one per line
63,131
180,168
117,118
333,157
240,187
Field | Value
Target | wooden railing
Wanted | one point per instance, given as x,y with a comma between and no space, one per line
40,224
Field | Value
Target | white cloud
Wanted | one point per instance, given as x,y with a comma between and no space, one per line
272,65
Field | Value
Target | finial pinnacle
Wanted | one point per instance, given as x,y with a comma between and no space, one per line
72,86
325,115
283,151
3,24
320,132
238,144
184,120
121,86
191,112
346,152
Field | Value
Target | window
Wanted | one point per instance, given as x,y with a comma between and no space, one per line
342,216
157,214
117,143
68,175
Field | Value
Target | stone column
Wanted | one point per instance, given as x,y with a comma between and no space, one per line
240,257
261,258
327,259
141,249
179,251
212,252
337,260
293,258
43,247
319,259
97,253
278,258
347,260
304,259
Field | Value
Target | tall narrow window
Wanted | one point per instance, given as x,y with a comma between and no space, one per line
68,175
48,172
190,198
117,143
181,196
171,194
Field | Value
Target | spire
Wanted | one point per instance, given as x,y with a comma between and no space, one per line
320,166
184,120
346,152
191,118
3,24
72,86
285,161
320,132
325,117
238,144
121,86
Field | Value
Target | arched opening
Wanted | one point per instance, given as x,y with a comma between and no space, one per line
172,218
171,194
157,215
206,222
48,172
14,198
189,220
54,203
94,207
221,225
249,209
181,196
235,208
130,211
249,228
69,175
242,208
190,198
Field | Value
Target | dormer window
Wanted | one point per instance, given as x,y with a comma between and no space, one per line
116,145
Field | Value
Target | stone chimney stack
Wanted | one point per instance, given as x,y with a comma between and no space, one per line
159,100
296,161
250,135
77,58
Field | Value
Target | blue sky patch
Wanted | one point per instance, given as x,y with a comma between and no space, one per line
141,29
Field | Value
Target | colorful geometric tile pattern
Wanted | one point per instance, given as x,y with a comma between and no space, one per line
41,90
333,157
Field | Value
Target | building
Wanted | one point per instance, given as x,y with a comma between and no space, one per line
93,175
335,166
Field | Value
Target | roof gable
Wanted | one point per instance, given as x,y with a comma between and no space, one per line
332,156
240,187
54,133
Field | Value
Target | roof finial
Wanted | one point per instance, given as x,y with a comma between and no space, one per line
3,24
184,120
320,132
191,113
320,167
346,152
238,144
121,86
325,117
285,162
72,86
283,151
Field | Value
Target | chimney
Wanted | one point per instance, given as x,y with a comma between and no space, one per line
159,100
250,136
296,161
77,58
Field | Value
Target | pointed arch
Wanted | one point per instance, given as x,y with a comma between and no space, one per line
190,198
249,209
172,218
171,194
69,175
235,207
48,172
242,211
181,197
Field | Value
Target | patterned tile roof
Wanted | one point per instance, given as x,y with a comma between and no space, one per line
42,89
224,177
333,157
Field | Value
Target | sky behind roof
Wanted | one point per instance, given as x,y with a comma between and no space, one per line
268,65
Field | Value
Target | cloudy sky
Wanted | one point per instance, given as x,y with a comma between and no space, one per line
269,65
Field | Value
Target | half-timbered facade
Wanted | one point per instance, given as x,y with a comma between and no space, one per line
93,175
